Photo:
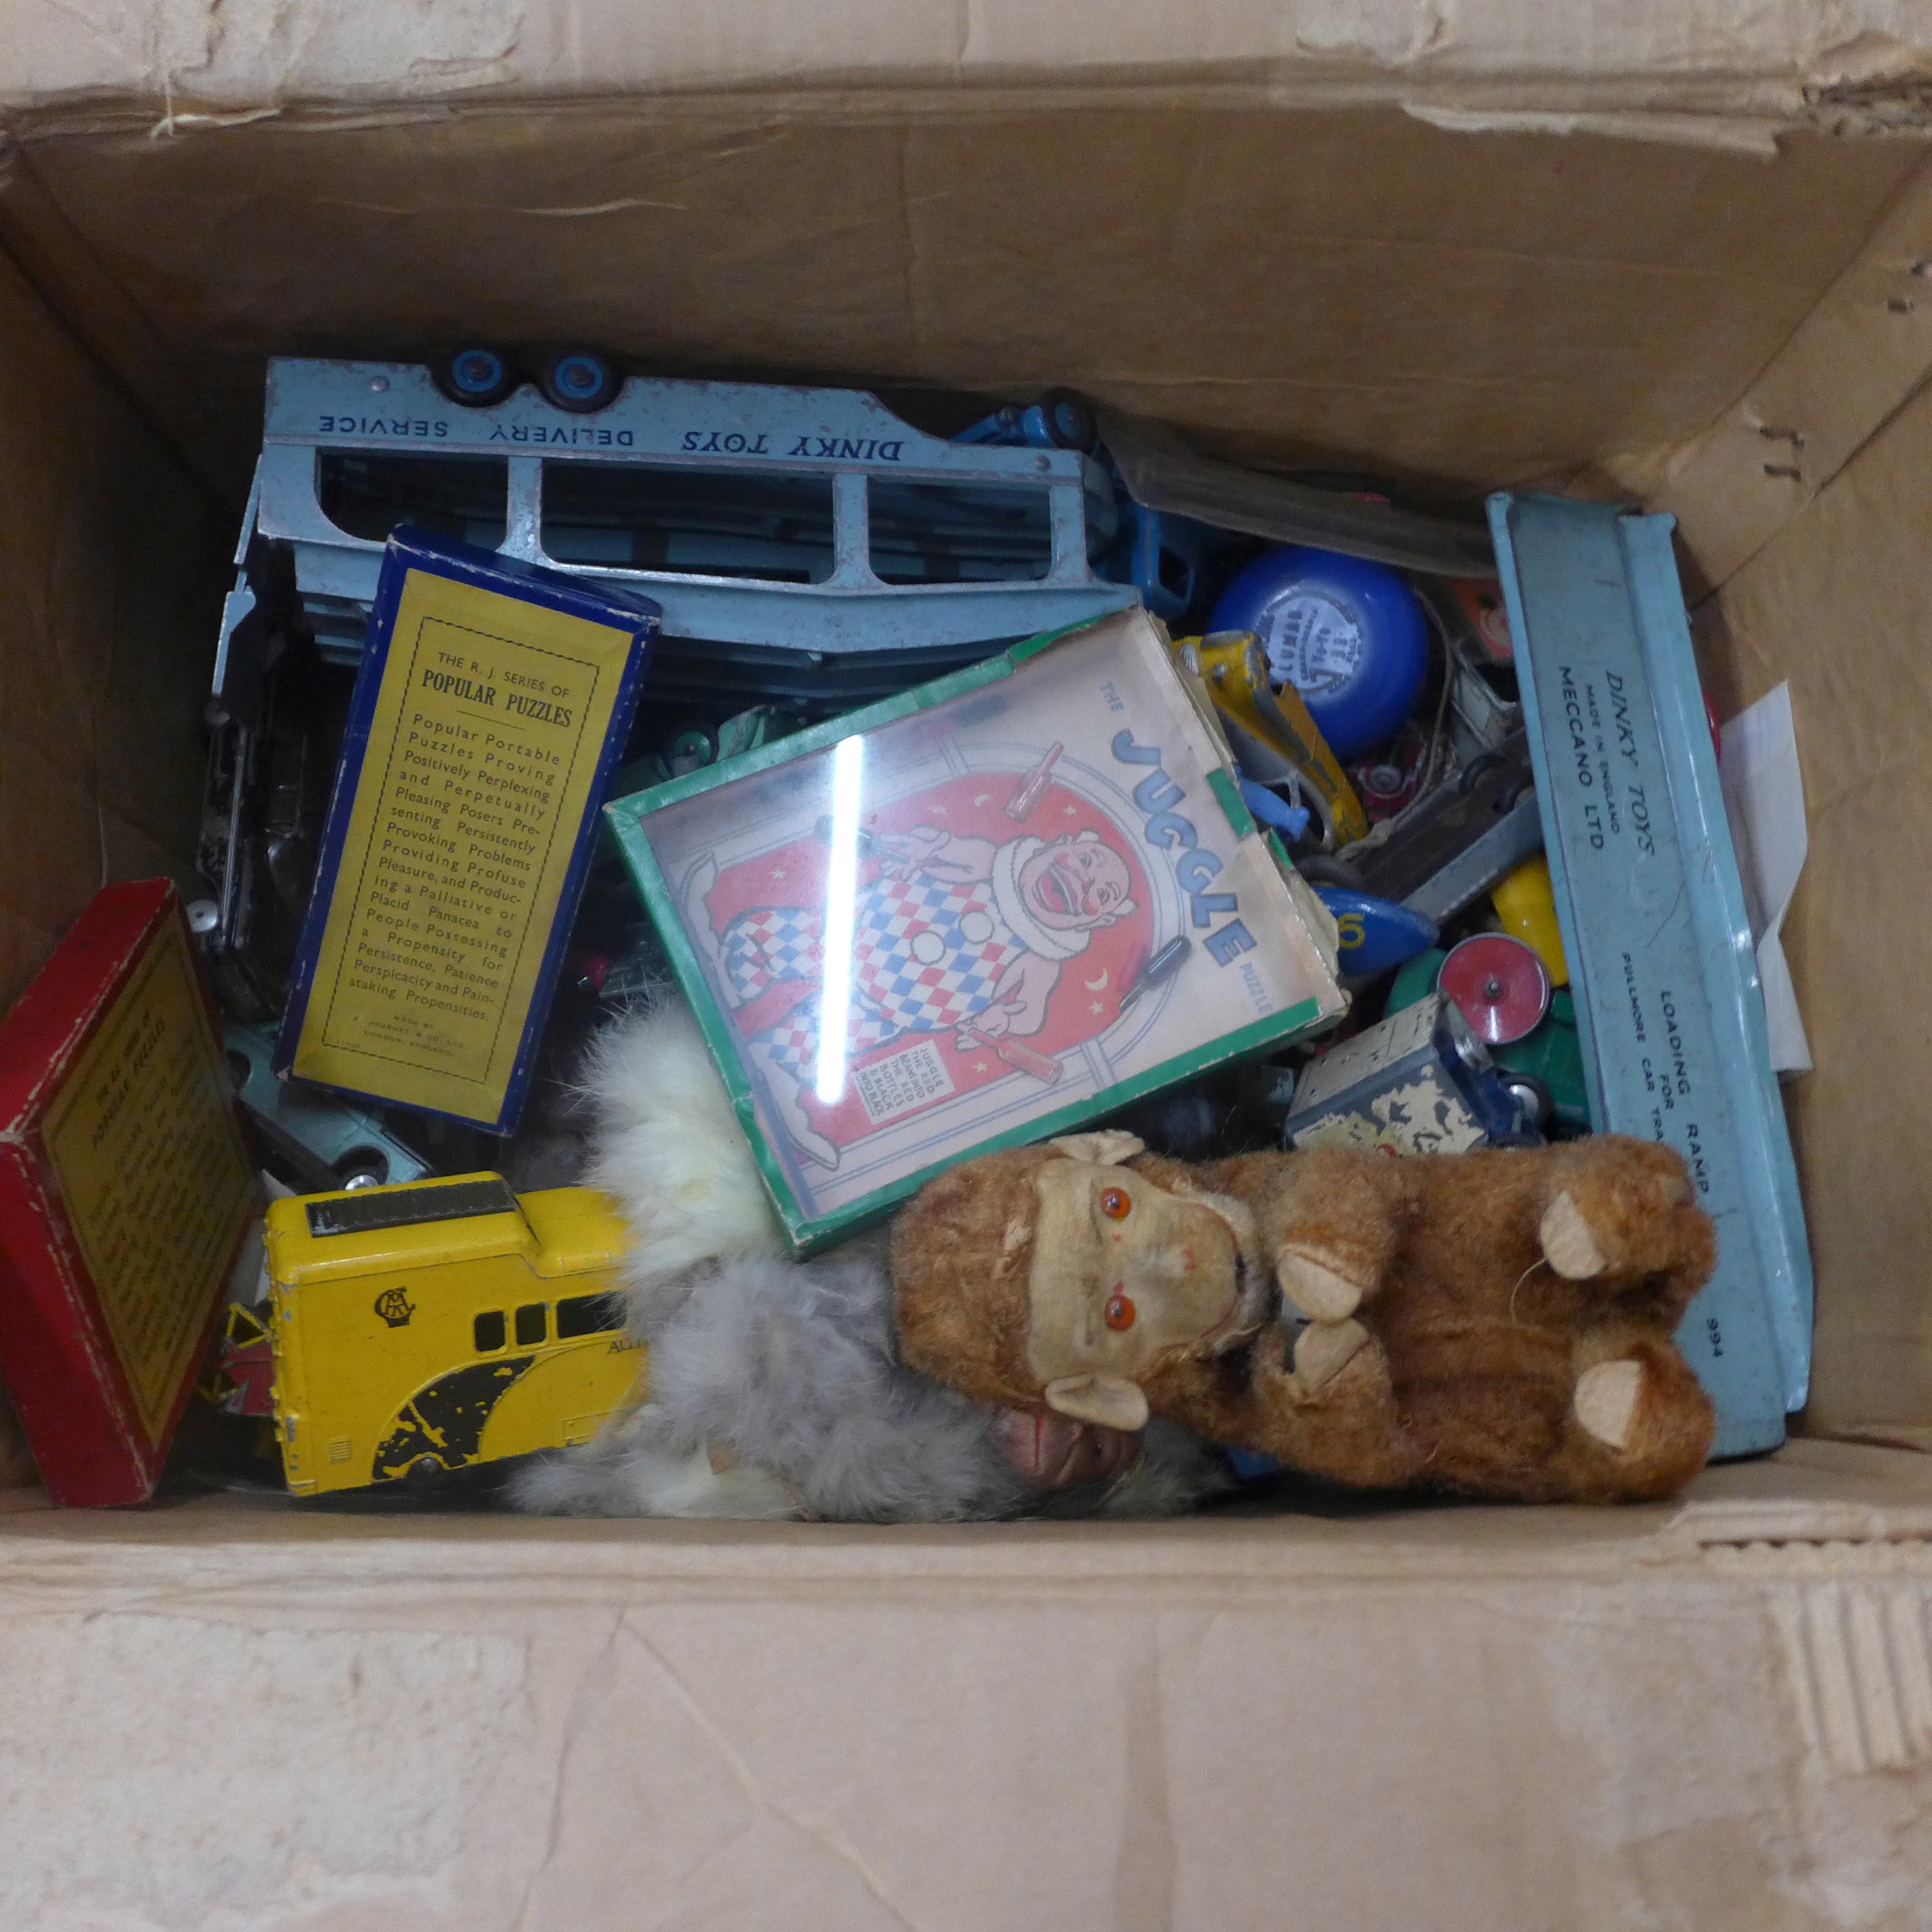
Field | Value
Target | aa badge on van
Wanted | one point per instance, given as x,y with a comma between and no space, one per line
490,708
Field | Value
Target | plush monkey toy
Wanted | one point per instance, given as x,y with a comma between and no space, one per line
1497,1323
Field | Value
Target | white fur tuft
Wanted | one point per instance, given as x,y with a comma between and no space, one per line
623,1474
669,1151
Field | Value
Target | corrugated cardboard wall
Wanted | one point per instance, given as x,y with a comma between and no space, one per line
109,557
1482,1720
1348,287
1838,604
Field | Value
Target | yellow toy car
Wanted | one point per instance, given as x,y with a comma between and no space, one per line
1273,735
440,1324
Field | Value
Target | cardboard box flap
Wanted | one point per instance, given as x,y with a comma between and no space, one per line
1813,1492
1662,72
115,561
1835,603
766,1727
1860,352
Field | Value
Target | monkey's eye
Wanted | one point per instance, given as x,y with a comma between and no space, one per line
1120,1311
1114,1204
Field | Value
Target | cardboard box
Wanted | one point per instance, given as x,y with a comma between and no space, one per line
1356,236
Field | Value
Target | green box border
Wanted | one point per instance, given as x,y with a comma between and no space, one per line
807,1234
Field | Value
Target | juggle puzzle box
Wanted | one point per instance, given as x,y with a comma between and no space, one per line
993,909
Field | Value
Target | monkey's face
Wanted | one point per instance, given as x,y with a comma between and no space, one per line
1125,1275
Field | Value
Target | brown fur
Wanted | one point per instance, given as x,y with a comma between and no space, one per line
1477,1342
966,1322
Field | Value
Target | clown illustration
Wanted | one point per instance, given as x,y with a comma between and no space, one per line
956,935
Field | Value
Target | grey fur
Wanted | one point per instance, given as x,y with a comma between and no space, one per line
790,1367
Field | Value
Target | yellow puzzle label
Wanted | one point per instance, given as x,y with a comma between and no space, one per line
143,1143
475,782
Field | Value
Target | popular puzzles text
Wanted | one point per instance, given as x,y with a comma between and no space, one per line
451,887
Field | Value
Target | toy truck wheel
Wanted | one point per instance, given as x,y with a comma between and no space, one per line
579,380
1476,770
420,1480
1535,1103
362,1167
1070,422
474,376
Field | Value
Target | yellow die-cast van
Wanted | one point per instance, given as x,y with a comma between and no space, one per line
440,1324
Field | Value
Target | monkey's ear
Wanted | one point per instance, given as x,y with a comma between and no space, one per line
1104,1399
1107,1148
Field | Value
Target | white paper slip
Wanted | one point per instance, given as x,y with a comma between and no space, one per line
1764,800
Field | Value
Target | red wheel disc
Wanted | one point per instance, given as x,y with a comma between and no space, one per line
1499,986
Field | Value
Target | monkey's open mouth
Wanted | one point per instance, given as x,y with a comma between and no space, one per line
1052,1451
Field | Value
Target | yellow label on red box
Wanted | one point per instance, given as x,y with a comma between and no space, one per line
478,774
143,1140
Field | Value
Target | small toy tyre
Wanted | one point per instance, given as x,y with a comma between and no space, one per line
362,1167
1476,770
1069,420
474,376
1534,1104
579,380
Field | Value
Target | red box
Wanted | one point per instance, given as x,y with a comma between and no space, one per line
125,1188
